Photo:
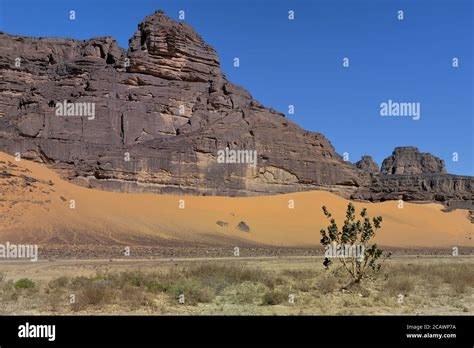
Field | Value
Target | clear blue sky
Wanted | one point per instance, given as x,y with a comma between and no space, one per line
300,62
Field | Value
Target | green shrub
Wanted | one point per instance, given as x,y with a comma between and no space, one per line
24,283
354,233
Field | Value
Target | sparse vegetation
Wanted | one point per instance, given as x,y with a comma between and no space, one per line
400,284
326,284
24,283
60,282
94,294
274,297
355,235
253,287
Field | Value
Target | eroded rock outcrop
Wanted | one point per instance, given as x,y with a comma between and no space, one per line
411,175
367,164
409,160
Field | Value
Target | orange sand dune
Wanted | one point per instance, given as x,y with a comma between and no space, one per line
40,212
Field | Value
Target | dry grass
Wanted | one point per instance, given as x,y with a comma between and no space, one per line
256,287
274,297
404,277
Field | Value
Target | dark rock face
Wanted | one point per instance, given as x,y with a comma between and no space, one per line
452,190
367,164
162,112
409,160
411,175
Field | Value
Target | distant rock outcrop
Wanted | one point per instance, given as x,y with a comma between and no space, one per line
409,160
411,175
367,164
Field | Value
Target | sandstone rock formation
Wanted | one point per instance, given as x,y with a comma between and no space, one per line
368,165
409,160
161,112
411,175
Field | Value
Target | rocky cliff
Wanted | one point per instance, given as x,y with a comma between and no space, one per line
367,164
409,160
163,110
411,175
155,117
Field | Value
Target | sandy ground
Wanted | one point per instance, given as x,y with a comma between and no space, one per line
40,212
49,270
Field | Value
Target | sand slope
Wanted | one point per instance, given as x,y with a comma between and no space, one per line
40,212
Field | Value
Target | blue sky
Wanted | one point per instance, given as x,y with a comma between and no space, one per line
299,62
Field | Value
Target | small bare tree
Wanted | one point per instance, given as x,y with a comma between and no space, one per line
354,234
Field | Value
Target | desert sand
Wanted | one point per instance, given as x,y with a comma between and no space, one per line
40,212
